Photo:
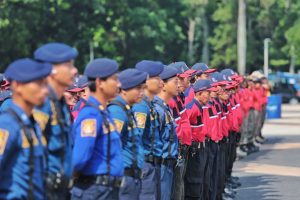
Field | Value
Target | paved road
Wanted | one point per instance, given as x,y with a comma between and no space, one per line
274,172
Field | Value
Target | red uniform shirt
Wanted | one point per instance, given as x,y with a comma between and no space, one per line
224,119
189,95
195,114
218,107
183,129
234,110
211,120
257,99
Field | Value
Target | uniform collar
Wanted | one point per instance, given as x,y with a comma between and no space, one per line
121,100
20,112
93,100
158,99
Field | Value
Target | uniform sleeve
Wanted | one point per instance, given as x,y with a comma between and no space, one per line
196,121
6,104
119,117
8,141
142,116
87,129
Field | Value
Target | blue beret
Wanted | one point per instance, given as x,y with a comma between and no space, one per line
201,85
214,77
224,76
27,70
55,53
101,68
168,73
131,78
82,81
153,68
180,66
202,68
228,72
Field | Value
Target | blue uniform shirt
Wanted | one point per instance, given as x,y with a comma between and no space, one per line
121,121
90,143
14,157
6,101
59,142
167,130
148,126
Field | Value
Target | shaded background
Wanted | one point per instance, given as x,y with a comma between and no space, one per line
165,30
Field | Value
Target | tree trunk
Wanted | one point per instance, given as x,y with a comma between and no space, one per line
191,38
241,37
292,60
205,48
91,50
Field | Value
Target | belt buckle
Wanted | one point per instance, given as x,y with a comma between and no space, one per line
136,173
151,158
119,182
104,180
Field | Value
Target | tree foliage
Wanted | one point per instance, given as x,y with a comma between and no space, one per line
131,30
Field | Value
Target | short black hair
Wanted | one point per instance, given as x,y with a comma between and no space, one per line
92,83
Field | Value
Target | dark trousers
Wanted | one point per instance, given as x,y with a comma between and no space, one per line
195,172
150,182
82,191
214,164
221,169
130,189
179,174
166,181
207,171
231,152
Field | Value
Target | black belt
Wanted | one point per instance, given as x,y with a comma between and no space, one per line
225,140
169,162
183,150
155,160
104,180
133,172
198,145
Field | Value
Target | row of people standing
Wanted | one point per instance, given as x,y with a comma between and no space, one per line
143,133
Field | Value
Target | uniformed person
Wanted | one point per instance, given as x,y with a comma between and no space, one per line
21,148
72,95
203,71
198,155
97,151
5,93
168,132
149,124
183,129
54,117
132,91
84,95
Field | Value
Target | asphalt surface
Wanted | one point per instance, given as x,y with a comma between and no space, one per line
273,173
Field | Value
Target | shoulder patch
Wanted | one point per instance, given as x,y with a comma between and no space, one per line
140,119
25,142
3,140
41,117
112,128
88,128
119,125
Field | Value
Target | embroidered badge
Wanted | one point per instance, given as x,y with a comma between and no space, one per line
140,119
119,125
3,140
41,117
25,142
111,127
88,128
